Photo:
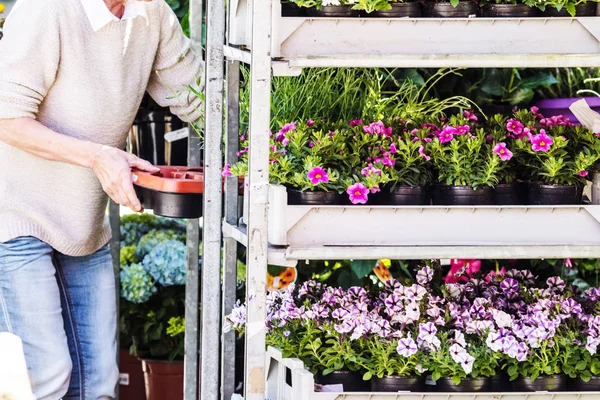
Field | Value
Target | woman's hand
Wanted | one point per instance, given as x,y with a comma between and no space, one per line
113,169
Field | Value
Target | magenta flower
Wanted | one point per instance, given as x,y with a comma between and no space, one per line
375,189
515,127
311,144
422,153
358,193
243,137
535,109
463,130
388,162
393,148
504,153
310,123
285,142
288,127
470,116
583,173
356,122
226,170
541,142
447,134
318,175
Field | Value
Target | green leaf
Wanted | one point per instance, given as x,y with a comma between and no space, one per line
367,376
362,268
456,379
521,96
541,79
347,279
327,371
571,9
436,375
454,3
581,365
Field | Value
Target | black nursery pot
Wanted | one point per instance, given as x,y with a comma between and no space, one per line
500,383
352,381
540,194
307,198
407,196
581,10
509,11
173,205
511,194
400,10
398,384
332,12
545,383
445,9
446,195
577,385
466,385
292,10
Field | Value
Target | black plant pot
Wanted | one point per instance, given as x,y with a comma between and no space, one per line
307,198
577,385
400,10
511,194
352,381
398,384
509,11
292,10
332,12
407,196
445,9
581,10
167,204
540,194
500,383
446,195
466,385
147,138
545,383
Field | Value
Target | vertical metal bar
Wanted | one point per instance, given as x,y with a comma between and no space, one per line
231,217
196,20
114,216
256,280
211,244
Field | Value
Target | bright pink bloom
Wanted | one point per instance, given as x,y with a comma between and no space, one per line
422,153
310,123
541,142
375,189
583,173
273,148
377,128
515,127
462,270
504,153
311,144
493,274
393,148
288,127
569,263
470,116
318,175
535,110
243,137
388,162
447,134
226,170
356,122
285,141
332,134
463,130
358,193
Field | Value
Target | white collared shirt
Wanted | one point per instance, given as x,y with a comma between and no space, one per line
100,16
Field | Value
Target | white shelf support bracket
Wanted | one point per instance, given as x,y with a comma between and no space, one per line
282,68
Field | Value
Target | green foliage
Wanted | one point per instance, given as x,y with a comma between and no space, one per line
362,268
508,86
384,360
569,81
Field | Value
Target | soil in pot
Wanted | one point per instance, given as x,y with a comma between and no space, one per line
308,198
581,10
352,381
132,385
446,195
332,12
577,385
545,383
410,9
292,10
407,196
398,384
509,11
510,194
164,380
540,194
466,385
445,9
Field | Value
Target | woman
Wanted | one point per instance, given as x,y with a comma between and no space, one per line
72,76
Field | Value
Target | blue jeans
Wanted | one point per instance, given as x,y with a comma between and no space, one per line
64,310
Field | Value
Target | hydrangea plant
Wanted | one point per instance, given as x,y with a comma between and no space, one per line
137,285
167,263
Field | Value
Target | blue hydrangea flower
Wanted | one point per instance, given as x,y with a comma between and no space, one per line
154,238
167,263
137,285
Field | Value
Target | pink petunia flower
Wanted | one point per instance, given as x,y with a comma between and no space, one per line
226,170
291,126
470,116
583,173
541,142
388,162
463,130
356,122
393,148
318,175
358,193
310,123
535,109
569,263
422,153
447,134
375,189
514,126
504,153
462,270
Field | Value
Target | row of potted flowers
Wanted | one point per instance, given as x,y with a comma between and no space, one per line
524,159
438,9
474,335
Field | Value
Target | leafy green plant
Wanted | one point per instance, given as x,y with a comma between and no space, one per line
569,82
385,360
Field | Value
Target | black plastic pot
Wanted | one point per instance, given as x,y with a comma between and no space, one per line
581,10
332,12
398,384
509,11
540,194
410,9
500,383
292,10
307,198
147,138
167,204
577,385
407,196
445,9
466,385
446,195
545,383
511,194
352,381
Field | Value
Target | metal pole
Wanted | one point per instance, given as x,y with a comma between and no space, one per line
231,217
114,216
211,259
256,280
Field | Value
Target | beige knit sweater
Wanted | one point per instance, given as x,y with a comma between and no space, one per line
86,85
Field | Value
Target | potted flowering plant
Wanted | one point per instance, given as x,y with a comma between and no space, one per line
465,162
327,8
568,8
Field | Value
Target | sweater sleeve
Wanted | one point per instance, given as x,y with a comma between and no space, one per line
29,57
176,69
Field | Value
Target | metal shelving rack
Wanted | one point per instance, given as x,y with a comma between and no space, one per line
257,35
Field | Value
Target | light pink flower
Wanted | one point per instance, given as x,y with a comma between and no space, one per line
226,170
504,153
358,193
318,175
541,142
375,189
422,153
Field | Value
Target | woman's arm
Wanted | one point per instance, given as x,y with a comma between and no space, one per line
111,166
